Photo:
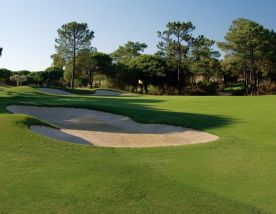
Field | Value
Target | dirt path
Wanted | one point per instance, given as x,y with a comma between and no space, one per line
109,130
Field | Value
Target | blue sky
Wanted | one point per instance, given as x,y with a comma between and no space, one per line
28,28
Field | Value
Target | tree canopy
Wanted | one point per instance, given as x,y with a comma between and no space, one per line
183,64
73,38
246,43
175,45
129,50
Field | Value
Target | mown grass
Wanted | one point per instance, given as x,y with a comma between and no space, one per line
233,175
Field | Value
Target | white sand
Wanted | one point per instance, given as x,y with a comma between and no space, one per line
108,130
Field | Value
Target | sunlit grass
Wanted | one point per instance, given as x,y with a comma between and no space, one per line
233,175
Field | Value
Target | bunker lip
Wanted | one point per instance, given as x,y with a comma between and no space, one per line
108,130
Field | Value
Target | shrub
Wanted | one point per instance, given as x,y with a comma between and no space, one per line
207,88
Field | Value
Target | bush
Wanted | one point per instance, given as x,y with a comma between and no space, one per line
154,90
19,79
5,76
207,88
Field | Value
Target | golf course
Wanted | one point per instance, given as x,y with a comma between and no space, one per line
234,174
138,107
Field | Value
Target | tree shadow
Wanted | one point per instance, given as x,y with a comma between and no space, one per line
91,120
136,108
59,135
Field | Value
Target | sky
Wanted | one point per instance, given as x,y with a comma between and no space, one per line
28,28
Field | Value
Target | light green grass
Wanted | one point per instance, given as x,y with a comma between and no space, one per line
236,174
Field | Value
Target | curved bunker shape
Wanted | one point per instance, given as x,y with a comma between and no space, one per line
54,91
97,92
108,130
103,92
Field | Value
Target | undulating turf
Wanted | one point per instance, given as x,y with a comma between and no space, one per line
236,174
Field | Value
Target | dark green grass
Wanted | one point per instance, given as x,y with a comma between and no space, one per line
236,174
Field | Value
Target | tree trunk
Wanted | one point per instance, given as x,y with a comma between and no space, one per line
251,82
245,82
91,84
270,84
141,88
257,70
74,64
73,72
179,86
146,88
90,78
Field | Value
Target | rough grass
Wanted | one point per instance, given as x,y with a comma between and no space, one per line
233,175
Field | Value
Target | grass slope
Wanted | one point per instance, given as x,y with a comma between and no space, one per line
233,175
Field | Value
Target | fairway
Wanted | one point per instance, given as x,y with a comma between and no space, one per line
235,174
138,107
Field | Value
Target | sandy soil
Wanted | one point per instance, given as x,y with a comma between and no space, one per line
108,130
54,91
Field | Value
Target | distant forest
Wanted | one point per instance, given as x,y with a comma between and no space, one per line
183,65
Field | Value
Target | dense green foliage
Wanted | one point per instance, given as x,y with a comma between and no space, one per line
193,65
175,44
251,50
73,39
18,79
90,64
183,64
128,51
5,75
233,175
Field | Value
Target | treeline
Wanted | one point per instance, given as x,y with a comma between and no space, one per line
52,77
250,55
183,64
56,76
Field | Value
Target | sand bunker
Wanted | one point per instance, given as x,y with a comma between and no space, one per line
54,91
102,92
98,92
108,130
